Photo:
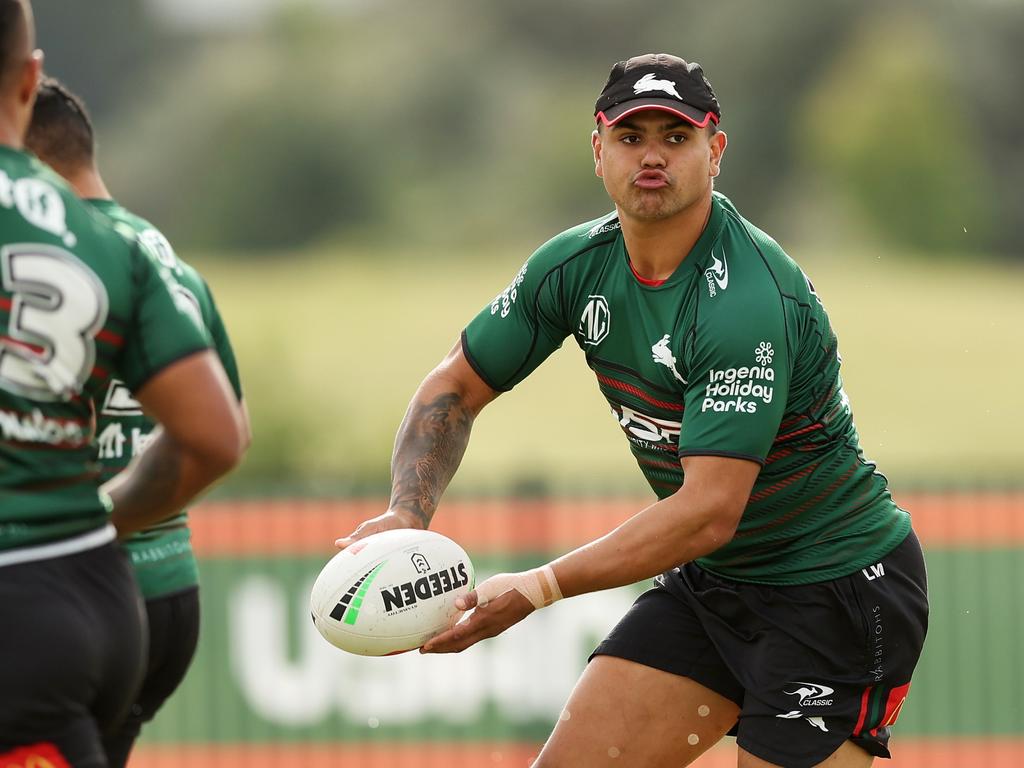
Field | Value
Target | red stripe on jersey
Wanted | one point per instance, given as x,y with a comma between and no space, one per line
110,337
764,493
779,454
811,428
5,303
805,506
661,464
637,392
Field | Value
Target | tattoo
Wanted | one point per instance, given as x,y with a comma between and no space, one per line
429,447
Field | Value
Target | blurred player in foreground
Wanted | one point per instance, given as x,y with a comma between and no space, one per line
79,304
790,601
61,135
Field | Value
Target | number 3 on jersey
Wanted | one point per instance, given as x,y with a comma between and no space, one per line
58,307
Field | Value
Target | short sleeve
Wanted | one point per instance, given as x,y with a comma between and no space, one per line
521,327
166,323
738,383
221,342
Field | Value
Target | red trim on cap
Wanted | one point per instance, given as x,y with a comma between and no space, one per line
709,117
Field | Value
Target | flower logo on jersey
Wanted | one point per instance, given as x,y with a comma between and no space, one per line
596,320
764,353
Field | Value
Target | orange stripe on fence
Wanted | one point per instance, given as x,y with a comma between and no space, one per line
907,753
307,526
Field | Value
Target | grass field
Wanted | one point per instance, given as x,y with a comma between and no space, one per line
332,346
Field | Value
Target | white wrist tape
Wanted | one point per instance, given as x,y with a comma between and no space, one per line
539,586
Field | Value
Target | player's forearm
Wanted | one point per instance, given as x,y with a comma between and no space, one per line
662,536
162,481
429,447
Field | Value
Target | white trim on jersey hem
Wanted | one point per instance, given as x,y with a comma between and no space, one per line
72,546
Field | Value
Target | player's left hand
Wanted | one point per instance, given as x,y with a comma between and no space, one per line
494,616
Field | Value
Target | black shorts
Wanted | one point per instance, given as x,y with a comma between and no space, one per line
173,636
71,654
809,666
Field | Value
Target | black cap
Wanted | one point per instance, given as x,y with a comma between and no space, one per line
658,81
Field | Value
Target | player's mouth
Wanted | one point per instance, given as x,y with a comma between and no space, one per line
651,180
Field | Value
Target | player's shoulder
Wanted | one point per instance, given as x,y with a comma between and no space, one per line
154,244
44,210
590,238
752,261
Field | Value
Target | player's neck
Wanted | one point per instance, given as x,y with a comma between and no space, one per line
11,135
88,184
657,248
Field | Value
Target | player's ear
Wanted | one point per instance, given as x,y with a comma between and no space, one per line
31,75
718,142
595,142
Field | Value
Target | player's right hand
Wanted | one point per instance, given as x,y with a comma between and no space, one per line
390,520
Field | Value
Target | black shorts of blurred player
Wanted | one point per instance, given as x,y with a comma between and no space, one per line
173,637
809,666
73,645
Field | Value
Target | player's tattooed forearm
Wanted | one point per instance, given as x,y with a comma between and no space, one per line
430,445
156,477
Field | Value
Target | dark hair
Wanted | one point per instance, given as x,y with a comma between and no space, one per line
60,132
13,31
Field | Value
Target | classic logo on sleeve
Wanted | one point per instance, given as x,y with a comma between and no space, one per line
742,390
717,274
504,300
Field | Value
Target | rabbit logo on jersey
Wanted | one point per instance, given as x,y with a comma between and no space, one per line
742,390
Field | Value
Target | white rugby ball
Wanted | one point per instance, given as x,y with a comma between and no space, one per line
390,592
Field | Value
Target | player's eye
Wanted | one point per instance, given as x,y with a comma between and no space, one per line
630,138
676,138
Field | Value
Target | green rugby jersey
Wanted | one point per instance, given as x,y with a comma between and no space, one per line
162,554
733,355
79,303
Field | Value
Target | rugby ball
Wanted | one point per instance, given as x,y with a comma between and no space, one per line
390,592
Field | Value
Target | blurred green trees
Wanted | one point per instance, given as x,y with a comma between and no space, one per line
451,123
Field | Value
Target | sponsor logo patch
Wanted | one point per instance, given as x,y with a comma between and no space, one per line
743,389
503,301
596,320
646,430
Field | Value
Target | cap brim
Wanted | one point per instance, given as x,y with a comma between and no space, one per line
690,114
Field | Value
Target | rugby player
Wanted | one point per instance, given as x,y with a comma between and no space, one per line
790,599
61,135
81,303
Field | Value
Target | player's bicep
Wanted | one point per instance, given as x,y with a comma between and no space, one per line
722,483
519,329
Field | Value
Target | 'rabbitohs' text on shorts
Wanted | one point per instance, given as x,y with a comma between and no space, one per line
810,666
